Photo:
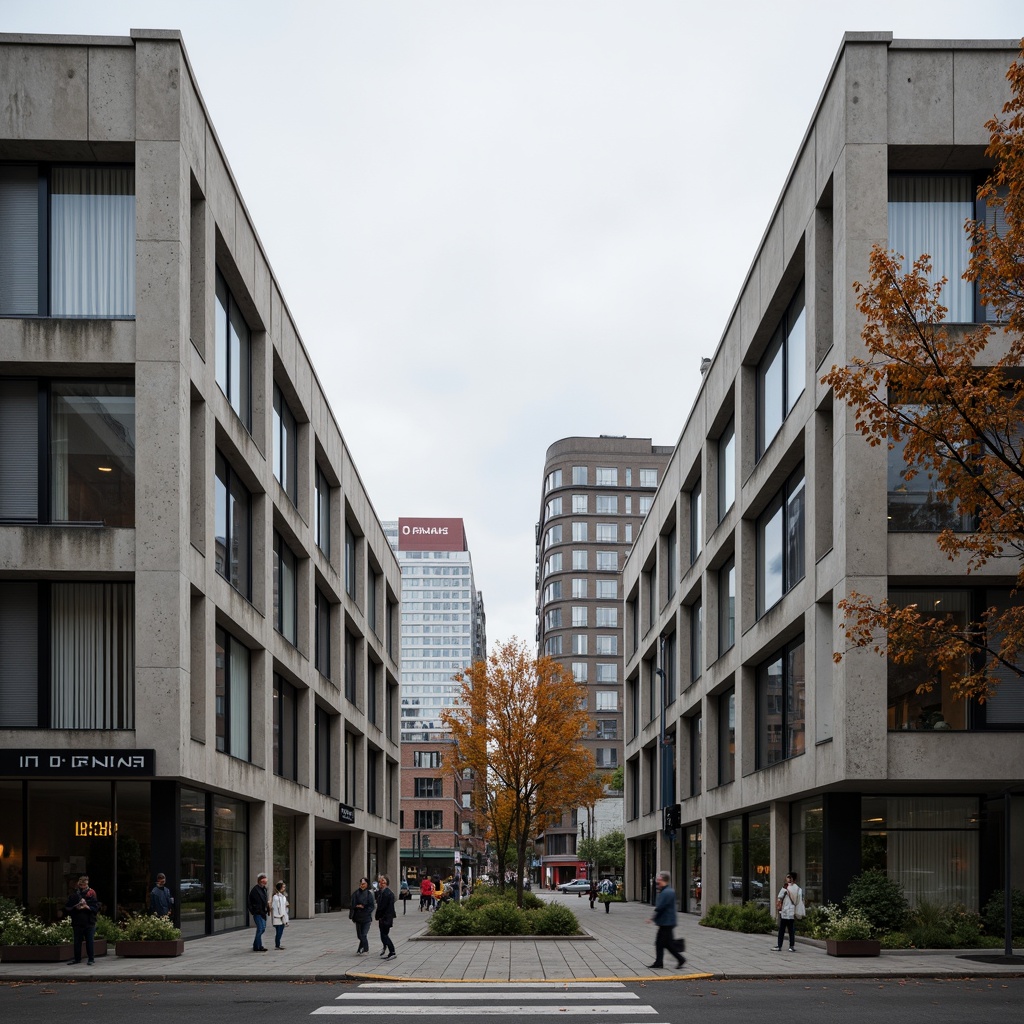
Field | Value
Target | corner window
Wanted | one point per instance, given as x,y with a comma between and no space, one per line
68,655
926,215
552,480
87,429
233,369
67,241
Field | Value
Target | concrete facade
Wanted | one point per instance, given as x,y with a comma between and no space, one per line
843,776
134,102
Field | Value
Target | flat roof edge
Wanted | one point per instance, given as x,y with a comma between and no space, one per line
39,39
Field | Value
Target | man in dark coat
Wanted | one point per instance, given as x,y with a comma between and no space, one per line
82,907
161,902
259,904
385,915
665,918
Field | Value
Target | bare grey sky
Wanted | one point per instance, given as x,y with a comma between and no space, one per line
472,204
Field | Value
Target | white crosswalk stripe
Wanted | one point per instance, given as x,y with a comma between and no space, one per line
481,999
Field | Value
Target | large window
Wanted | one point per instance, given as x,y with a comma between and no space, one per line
780,705
579,560
579,589
286,590
606,700
606,561
286,729
606,618
606,590
88,433
607,504
233,696
553,508
426,759
285,447
67,655
648,478
350,561
580,504
351,662
67,241
606,477
579,616
579,475
426,820
780,544
920,695
322,512
234,354
929,844
553,619
232,527
424,788
918,504
606,533
579,533
726,470
606,645
780,374
926,215
696,640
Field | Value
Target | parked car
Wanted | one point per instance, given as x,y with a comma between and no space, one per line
577,885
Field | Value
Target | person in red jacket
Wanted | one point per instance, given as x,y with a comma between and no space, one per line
426,894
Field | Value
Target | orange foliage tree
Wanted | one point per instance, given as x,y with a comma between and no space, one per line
517,728
953,398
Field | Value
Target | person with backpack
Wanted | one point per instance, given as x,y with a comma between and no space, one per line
790,905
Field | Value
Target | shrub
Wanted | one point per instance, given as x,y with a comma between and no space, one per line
555,919
147,927
107,929
993,913
880,899
22,929
895,940
852,925
816,922
452,919
731,917
502,917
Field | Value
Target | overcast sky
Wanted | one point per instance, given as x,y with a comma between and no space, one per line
472,205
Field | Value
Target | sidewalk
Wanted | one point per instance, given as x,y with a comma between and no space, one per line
618,947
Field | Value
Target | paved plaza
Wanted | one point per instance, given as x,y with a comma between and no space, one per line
618,946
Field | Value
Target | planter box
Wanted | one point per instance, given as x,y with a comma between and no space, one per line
46,954
150,947
853,947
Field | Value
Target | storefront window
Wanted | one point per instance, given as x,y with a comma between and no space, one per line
808,818
730,861
230,881
136,869
759,854
284,845
693,869
927,844
192,891
12,850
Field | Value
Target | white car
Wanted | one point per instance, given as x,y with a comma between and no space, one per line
577,885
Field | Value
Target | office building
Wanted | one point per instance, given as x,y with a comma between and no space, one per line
774,508
596,492
198,657
443,632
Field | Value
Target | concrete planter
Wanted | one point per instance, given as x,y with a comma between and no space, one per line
46,954
853,947
150,947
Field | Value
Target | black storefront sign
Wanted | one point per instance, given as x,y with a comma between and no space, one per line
47,763
346,814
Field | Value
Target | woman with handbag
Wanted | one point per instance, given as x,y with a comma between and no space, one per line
790,898
361,911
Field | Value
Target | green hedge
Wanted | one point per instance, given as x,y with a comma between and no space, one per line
732,917
492,912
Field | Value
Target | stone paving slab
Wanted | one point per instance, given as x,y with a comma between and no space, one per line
619,947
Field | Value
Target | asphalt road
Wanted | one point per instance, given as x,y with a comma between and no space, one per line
910,1001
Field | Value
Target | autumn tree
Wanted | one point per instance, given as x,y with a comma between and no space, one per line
517,728
952,397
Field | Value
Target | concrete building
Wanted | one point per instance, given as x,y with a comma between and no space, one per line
443,632
198,659
595,494
766,754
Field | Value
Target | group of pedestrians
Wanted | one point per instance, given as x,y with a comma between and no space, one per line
261,904
368,905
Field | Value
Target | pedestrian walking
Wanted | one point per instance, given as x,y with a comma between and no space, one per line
161,902
788,904
426,894
361,912
665,919
404,894
385,916
82,906
279,913
259,905
593,892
